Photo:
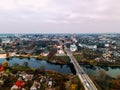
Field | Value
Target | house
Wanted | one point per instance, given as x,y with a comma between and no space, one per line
1,70
50,84
35,85
107,45
60,50
33,88
18,85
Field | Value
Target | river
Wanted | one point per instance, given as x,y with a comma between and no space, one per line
94,70
32,62
66,69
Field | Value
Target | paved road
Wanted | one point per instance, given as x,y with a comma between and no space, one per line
86,81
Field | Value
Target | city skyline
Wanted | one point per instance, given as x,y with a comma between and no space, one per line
59,16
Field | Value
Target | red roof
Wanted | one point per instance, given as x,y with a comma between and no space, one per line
1,68
18,83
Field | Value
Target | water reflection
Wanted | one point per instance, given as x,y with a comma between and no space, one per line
37,63
89,69
61,66
93,70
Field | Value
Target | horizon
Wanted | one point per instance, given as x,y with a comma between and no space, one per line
60,33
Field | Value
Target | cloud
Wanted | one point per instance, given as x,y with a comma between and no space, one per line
95,9
32,9
59,10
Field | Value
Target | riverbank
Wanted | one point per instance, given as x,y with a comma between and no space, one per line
102,65
2,55
34,63
62,60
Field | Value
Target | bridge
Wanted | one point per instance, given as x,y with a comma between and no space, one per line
86,81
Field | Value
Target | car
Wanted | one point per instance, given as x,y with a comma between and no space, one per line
87,84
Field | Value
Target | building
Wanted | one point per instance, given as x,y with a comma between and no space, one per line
60,50
93,47
73,47
6,40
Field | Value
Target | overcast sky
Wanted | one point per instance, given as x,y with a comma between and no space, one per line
59,16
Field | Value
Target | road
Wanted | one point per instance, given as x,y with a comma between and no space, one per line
86,81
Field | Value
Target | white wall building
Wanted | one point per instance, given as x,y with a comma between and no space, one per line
107,45
73,47
88,46
6,40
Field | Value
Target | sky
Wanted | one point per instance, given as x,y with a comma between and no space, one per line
59,16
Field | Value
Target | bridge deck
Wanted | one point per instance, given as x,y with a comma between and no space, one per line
86,81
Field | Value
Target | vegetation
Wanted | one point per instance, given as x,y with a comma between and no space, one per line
60,80
102,80
51,57
76,84
88,56
51,54
106,82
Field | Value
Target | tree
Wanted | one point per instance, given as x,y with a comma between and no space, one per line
16,64
41,69
5,64
62,86
51,54
0,40
73,87
118,76
28,55
25,64
40,57
7,71
102,75
92,62
7,55
116,84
